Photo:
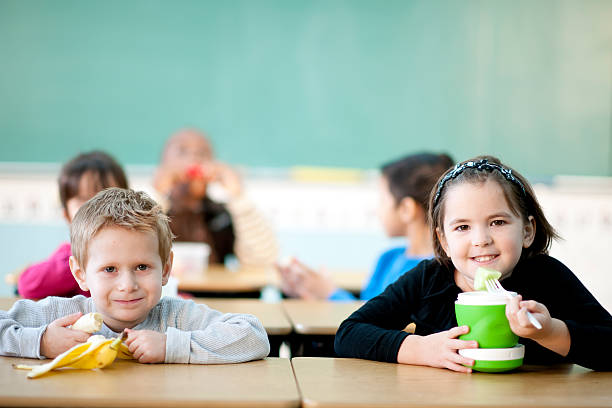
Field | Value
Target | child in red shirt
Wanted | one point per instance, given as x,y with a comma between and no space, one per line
80,179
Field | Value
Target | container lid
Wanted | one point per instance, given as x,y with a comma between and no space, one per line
482,298
495,354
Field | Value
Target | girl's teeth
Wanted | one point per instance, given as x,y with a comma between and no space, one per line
483,258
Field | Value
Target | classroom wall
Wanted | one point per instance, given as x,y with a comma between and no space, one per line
317,82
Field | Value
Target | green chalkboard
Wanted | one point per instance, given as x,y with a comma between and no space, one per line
331,83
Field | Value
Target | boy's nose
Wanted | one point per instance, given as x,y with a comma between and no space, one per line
127,282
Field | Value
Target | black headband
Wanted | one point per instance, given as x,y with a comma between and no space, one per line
479,165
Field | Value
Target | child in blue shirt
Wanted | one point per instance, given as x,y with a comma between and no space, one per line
403,201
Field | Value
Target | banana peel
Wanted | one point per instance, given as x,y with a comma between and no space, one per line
97,352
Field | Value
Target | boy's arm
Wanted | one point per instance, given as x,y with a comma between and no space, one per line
22,327
202,335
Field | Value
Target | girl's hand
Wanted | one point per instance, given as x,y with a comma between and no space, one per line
554,334
227,177
438,350
58,338
147,346
516,312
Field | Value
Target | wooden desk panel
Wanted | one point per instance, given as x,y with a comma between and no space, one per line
271,315
318,317
7,302
217,278
336,382
263,383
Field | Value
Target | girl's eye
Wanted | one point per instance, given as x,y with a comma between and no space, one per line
461,228
142,267
498,222
109,269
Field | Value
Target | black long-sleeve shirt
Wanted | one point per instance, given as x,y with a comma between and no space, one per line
426,296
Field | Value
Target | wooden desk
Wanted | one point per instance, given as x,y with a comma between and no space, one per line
271,315
7,302
262,383
318,317
334,382
218,278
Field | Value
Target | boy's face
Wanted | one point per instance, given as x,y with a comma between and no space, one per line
388,211
124,274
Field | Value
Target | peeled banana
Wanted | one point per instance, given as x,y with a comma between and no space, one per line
97,352
89,323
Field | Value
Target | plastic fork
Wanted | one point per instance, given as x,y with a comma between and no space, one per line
493,286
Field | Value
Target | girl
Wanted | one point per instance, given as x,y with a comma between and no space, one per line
482,213
80,179
404,191
234,227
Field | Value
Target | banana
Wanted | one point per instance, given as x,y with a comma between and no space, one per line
97,352
89,323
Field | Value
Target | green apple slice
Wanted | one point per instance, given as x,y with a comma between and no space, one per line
482,274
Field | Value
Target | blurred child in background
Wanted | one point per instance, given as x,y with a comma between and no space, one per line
235,227
404,189
80,179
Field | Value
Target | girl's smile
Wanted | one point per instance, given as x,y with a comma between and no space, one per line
480,229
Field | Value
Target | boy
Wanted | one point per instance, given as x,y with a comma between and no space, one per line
121,246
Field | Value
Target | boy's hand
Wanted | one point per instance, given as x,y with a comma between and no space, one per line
516,312
58,338
438,350
147,346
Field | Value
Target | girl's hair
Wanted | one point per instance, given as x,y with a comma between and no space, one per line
518,194
415,175
102,165
124,208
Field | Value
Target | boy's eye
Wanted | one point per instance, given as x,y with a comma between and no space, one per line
142,267
109,269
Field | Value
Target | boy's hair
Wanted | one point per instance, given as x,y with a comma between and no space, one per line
518,194
415,175
102,165
124,208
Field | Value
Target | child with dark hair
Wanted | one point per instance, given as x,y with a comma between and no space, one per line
482,214
79,180
404,191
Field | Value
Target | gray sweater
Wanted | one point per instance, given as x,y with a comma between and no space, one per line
195,333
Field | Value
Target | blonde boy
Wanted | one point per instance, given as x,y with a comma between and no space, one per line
121,246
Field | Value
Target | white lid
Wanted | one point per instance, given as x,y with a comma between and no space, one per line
495,354
482,298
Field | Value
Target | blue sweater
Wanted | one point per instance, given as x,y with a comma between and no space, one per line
390,266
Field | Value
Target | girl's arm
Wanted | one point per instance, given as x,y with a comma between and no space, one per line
51,277
206,336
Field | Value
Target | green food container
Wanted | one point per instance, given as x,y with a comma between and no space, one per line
485,314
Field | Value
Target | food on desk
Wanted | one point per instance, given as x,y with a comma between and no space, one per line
89,323
482,275
97,352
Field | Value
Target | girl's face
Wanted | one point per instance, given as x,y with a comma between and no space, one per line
89,185
480,229
388,211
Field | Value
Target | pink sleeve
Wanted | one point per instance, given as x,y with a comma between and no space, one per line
51,277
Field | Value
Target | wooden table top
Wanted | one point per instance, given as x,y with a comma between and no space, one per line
318,317
271,315
262,383
337,382
218,278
